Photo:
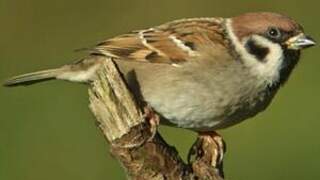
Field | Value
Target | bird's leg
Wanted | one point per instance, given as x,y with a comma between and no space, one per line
221,146
208,149
153,119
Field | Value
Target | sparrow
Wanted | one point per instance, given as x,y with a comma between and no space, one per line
202,74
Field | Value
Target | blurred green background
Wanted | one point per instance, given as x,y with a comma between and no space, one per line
47,131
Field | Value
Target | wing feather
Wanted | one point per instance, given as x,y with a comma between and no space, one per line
174,42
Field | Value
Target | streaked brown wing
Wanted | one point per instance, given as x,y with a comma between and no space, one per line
172,43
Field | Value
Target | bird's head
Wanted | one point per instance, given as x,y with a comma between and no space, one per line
268,43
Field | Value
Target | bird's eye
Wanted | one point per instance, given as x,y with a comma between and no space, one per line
274,33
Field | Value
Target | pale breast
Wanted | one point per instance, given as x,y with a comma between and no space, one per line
206,99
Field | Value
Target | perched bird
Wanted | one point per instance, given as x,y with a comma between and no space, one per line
202,74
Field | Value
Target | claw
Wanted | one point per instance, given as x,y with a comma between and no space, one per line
209,148
153,119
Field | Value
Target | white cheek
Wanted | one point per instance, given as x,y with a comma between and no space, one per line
267,71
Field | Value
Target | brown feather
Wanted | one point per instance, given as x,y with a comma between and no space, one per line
244,25
173,42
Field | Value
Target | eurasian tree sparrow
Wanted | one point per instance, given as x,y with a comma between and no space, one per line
202,73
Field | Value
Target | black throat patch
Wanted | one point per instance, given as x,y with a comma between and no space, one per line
258,51
291,59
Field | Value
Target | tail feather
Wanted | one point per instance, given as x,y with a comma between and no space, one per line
81,71
34,77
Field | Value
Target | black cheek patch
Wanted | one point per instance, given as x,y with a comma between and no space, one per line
258,51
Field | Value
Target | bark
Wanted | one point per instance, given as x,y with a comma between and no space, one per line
134,140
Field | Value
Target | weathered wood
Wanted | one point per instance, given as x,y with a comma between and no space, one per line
134,141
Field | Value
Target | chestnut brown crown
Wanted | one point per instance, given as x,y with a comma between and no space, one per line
263,23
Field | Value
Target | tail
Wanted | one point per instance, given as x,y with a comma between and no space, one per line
34,77
83,71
